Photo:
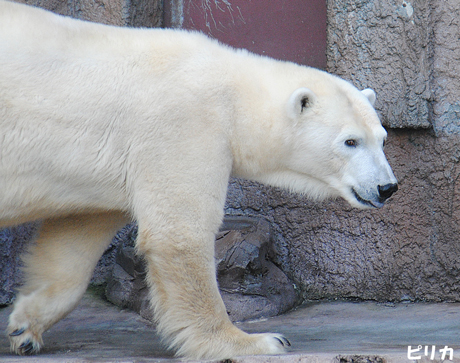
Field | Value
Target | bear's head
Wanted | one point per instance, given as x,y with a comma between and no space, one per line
334,146
337,148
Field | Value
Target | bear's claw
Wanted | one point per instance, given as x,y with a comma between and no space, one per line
283,341
26,348
24,342
17,332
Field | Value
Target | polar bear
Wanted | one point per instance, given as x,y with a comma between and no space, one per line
100,125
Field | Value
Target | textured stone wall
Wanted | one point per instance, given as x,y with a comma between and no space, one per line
409,53
406,251
446,66
145,13
385,45
13,241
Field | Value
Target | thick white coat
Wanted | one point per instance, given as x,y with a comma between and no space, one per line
99,125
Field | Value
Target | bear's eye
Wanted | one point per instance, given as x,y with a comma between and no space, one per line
351,143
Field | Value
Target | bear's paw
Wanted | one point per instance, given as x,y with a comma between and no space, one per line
233,343
23,341
270,343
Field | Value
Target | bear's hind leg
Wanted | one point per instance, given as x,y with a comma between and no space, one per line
58,268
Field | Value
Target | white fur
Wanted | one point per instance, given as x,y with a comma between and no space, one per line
370,94
101,124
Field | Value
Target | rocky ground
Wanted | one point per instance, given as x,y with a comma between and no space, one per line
339,332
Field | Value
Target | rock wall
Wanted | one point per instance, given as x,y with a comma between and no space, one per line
406,251
145,13
409,53
13,241
385,45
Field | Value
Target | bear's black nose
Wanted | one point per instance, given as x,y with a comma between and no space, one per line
387,190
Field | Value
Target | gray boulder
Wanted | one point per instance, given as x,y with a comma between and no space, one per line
251,285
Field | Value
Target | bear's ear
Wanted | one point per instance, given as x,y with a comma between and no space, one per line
300,100
370,94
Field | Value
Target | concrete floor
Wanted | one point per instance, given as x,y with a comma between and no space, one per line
339,332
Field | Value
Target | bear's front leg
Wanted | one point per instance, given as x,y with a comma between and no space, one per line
187,303
57,270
